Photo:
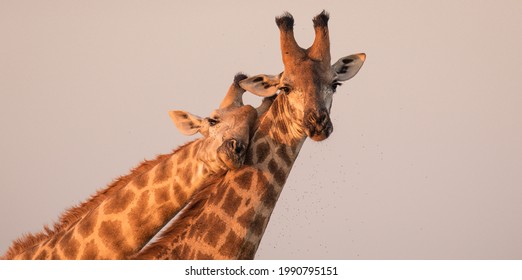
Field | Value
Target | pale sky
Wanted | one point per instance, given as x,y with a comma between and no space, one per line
424,162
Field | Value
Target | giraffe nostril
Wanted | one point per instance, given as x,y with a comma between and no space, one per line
235,146
318,118
239,148
322,118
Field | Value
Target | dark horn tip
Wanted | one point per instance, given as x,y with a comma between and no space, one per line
321,19
239,77
285,21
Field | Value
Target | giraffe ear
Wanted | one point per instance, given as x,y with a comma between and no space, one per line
187,123
348,66
261,85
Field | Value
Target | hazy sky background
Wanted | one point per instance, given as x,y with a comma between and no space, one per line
425,161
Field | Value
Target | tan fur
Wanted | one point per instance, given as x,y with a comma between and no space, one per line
253,190
227,219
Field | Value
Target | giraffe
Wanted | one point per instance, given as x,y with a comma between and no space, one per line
120,219
226,219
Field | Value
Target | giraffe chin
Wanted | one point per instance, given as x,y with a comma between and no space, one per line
231,163
319,134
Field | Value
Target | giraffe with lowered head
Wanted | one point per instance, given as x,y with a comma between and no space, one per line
122,218
227,219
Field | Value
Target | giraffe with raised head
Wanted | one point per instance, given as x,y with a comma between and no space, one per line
227,219
121,219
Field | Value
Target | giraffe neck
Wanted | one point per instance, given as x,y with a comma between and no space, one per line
72,215
130,214
227,219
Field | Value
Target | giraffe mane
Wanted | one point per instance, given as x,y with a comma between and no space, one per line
284,121
73,214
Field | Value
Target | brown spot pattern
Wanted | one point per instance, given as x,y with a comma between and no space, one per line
86,227
203,256
164,253
90,252
217,228
163,171
183,155
231,246
283,154
280,177
278,173
231,202
161,195
111,235
201,222
248,251
42,256
165,212
52,242
179,193
186,253
186,173
261,179
272,166
269,196
262,151
138,218
65,238
218,196
119,202
141,180
55,255
244,180
294,149
266,125
195,148
69,246
247,218
258,224
249,159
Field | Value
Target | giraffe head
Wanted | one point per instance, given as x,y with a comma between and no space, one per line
226,131
309,80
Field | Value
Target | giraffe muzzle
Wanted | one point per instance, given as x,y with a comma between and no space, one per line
232,153
318,126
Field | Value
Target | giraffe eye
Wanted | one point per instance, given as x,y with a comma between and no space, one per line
212,122
335,85
284,89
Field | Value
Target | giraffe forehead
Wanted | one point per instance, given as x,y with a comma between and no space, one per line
237,117
308,76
